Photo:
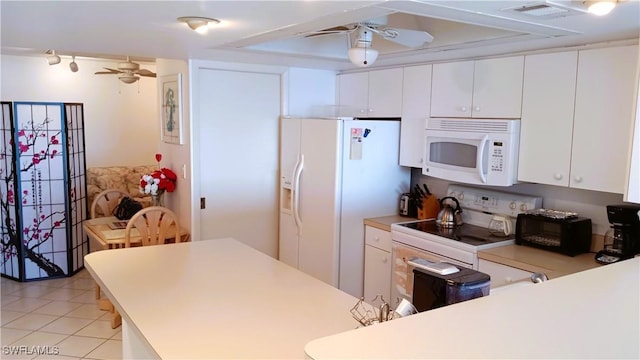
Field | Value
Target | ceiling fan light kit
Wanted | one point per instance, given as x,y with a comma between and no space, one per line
198,23
128,79
128,72
363,54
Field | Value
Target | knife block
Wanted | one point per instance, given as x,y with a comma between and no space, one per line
430,208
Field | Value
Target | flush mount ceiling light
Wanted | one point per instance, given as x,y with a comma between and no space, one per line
52,58
73,65
197,23
362,54
600,7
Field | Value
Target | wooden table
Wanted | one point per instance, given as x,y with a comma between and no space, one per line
216,299
102,237
98,231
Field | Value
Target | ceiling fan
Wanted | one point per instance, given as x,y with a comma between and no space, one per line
128,72
362,54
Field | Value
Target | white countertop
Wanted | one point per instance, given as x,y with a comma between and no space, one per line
219,299
590,314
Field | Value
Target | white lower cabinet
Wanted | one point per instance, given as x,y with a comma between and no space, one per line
377,264
502,274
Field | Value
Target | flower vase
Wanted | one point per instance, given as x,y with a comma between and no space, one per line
157,200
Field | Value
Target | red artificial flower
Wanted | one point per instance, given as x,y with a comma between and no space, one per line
164,178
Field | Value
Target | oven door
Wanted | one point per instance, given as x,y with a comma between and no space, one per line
457,156
402,277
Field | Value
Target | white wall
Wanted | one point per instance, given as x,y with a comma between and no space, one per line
178,157
310,92
121,123
590,204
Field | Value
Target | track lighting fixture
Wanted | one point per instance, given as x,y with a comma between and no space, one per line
73,65
52,58
197,23
362,54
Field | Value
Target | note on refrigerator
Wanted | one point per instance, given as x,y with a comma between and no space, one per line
355,150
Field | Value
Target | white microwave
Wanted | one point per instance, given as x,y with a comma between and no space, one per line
472,151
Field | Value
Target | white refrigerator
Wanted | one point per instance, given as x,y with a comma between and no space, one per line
335,173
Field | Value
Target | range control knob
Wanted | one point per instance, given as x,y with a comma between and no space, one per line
512,205
523,207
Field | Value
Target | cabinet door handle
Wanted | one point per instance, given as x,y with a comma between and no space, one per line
476,108
578,178
463,109
557,176
385,260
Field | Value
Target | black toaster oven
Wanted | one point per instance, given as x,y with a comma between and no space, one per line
569,235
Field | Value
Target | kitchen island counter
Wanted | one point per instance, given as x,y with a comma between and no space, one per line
216,299
589,314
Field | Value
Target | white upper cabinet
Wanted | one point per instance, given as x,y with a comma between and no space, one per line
416,106
489,88
452,88
376,93
577,115
603,121
353,94
546,128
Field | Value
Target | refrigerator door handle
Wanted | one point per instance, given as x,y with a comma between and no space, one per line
296,193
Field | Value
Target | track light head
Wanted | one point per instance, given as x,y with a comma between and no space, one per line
73,65
52,58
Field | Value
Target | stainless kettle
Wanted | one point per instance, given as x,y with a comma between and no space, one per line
448,216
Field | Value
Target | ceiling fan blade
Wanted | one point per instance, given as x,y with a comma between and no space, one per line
108,72
406,37
145,72
333,30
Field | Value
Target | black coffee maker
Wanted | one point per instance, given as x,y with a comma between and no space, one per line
623,240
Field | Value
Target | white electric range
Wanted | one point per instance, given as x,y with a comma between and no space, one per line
424,239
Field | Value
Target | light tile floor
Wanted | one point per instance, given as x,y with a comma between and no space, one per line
55,319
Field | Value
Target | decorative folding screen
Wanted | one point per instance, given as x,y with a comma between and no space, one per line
43,190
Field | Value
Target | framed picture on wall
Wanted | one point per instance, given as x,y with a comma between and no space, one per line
171,109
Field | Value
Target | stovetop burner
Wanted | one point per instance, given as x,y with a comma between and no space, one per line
465,233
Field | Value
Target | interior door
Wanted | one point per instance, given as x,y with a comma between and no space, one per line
239,137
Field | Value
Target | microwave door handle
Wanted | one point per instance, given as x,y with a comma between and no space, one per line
483,142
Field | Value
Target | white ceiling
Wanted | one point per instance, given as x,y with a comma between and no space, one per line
271,32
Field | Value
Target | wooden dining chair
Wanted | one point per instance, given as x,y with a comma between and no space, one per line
156,225
105,202
103,205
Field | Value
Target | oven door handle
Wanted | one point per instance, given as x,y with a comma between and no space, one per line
479,163
432,266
